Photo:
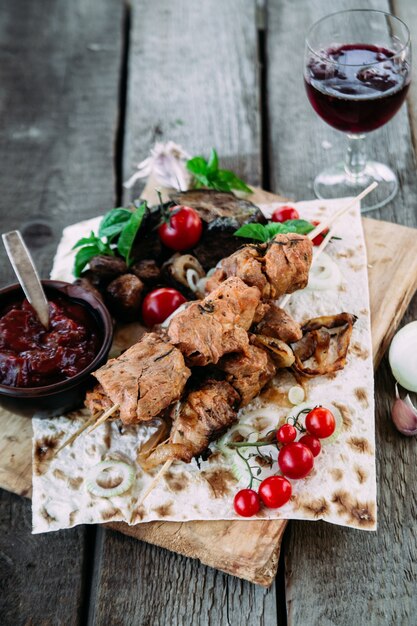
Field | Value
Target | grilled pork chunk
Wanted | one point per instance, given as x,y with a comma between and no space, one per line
204,415
287,263
279,324
248,373
278,267
217,325
145,379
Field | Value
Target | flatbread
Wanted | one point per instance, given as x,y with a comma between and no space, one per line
341,489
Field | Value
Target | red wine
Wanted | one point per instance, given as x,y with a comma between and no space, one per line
357,88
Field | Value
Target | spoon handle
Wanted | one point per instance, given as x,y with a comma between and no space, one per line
26,273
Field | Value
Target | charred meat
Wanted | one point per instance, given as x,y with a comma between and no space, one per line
280,353
107,268
217,325
248,372
222,214
124,296
279,324
203,416
147,271
145,379
324,345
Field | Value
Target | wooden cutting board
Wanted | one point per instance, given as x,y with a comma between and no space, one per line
248,549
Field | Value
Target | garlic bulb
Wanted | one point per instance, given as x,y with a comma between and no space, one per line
404,414
168,165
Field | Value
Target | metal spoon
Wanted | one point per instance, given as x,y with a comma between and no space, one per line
26,273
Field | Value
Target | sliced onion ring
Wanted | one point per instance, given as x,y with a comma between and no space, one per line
125,470
324,274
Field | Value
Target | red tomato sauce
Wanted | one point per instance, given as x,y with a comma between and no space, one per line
32,356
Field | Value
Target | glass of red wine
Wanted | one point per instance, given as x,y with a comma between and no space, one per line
357,72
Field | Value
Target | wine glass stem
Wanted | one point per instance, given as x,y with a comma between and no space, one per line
355,161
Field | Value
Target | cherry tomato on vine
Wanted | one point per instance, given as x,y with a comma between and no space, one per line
287,433
246,502
320,422
284,213
159,304
275,491
295,460
319,238
183,229
311,442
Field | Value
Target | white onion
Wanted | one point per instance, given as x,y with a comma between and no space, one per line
324,274
403,356
192,279
296,394
124,470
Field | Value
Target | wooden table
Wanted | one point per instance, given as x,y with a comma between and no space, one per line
86,89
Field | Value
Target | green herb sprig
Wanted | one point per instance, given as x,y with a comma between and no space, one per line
208,174
121,224
266,232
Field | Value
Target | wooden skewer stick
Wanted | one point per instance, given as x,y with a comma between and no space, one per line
104,417
323,225
156,480
73,437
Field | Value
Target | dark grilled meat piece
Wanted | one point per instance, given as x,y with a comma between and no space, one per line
279,324
107,267
203,416
124,296
222,214
147,271
248,372
217,325
145,379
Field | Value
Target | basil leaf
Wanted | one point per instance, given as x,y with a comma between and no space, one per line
197,165
85,240
253,231
302,227
113,222
129,232
202,180
82,258
213,162
233,181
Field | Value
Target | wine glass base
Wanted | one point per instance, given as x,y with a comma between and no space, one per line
335,182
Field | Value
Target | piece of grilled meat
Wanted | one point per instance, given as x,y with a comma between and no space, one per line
145,379
203,416
275,268
216,325
278,323
248,372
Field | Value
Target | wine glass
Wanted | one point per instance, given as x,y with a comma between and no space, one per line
357,71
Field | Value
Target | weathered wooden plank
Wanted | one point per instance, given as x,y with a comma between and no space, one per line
192,79
407,11
336,576
58,119
59,104
40,575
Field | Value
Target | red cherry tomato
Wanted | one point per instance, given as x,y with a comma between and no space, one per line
286,433
311,442
183,230
246,502
159,304
295,460
317,240
285,213
320,422
275,491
